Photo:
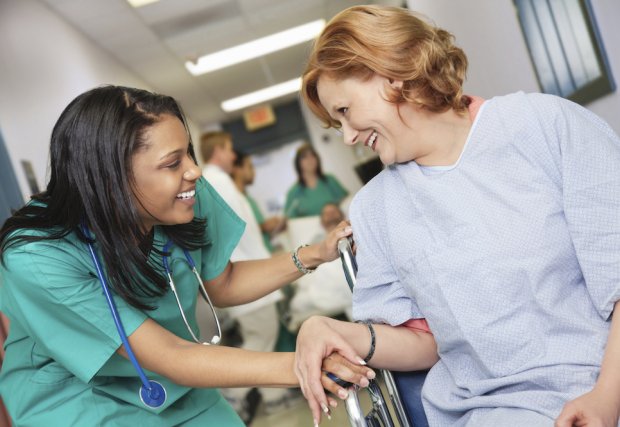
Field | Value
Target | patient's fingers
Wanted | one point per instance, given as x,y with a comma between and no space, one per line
344,370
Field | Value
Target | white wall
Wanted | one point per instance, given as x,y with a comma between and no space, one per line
275,174
45,64
336,157
499,63
489,33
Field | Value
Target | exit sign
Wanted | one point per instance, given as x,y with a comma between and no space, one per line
259,117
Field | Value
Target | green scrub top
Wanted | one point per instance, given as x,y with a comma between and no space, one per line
61,365
260,219
303,201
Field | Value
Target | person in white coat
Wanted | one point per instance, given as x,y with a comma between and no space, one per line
258,321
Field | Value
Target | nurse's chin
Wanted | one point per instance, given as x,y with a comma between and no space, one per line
180,218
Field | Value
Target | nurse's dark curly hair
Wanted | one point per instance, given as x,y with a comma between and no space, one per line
392,42
92,181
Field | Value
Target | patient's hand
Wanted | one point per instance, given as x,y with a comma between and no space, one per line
317,342
339,366
595,408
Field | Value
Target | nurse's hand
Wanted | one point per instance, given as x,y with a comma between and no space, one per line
596,408
316,342
328,248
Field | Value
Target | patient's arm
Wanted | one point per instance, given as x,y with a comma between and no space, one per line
319,337
600,406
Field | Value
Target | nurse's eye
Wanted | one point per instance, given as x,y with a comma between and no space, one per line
174,165
343,110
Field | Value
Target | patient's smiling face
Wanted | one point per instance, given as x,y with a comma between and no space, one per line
365,116
398,133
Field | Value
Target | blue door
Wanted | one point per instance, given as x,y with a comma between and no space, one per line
10,195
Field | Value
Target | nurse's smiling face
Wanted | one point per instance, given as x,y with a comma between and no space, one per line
165,175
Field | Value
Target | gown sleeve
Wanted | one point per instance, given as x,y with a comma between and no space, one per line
379,295
589,153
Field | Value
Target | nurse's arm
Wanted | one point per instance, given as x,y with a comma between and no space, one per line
196,365
245,281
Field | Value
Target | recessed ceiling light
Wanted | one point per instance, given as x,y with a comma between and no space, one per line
140,3
255,48
262,95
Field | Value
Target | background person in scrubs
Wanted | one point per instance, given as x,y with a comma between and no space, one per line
122,164
313,188
496,224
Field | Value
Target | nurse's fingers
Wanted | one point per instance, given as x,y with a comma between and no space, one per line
301,371
314,392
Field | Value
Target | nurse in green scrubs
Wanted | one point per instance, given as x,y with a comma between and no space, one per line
313,189
122,167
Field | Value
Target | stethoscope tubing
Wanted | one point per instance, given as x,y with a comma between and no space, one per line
114,311
152,393
166,249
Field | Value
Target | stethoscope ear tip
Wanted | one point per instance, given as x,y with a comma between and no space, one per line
215,340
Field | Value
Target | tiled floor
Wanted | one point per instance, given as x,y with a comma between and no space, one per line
299,415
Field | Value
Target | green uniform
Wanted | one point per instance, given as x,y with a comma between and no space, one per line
61,366
260,219
304,201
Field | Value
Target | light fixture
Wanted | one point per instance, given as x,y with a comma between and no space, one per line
140,3
255,48
261,95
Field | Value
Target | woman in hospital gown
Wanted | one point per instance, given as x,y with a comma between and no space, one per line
496,225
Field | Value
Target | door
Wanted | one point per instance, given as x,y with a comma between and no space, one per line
10,195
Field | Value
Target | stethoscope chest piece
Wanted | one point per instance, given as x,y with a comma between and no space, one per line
153,397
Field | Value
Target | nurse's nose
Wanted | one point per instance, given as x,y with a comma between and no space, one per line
192,173
350,135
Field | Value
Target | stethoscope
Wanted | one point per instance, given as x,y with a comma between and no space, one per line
151,393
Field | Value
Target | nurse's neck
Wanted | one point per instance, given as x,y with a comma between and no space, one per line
310,179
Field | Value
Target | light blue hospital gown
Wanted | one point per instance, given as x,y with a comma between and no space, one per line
512,255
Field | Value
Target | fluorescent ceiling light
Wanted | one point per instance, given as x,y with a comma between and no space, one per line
259,96
255,48
140,3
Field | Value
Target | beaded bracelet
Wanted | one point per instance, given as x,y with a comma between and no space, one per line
373,340
302,268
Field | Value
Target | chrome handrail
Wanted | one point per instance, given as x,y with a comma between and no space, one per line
379,406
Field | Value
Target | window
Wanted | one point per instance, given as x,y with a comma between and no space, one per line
565,48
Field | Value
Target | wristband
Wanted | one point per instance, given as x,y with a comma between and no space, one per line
373,340
302,268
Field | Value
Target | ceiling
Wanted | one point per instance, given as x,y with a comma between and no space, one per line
155,40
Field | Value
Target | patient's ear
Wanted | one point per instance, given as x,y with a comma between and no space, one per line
391,86
395,84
